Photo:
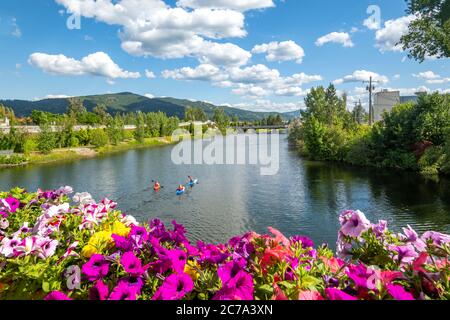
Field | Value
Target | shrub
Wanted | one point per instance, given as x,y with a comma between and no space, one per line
14,159
99,138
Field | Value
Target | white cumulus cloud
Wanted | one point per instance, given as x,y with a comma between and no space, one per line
388,38
239,5
362,75
154,28
281,51
97,64
342,38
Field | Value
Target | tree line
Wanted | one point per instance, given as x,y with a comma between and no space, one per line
413,136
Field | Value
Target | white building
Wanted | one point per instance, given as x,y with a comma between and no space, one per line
384,101
4,123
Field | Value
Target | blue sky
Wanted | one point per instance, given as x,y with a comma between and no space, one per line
254,54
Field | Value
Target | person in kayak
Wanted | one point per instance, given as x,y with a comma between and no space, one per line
191,180
181,188
157,185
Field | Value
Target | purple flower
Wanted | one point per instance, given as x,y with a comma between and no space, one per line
175,287
360,275
437,238
8,246
239,288
178,260
336,294
178,235
229,270
212,255
122,243
132,264
57,295
96,268
135,283
412,237
99,292
353,223
380,228
123,291
13,203
404,254
139,235
399,293
305,241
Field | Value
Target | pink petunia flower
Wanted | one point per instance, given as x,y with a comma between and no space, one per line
96,268
353,223
399,293
175,287
336,294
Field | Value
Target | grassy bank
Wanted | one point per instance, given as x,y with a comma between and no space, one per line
66,154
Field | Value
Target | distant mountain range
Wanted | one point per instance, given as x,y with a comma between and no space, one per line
129,102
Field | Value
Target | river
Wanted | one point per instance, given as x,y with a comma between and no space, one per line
303,198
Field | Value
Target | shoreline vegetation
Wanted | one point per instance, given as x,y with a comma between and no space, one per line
413,136
59,246
79,153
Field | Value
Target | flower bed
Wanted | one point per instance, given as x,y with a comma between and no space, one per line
54,247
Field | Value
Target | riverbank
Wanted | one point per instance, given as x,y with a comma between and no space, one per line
66,154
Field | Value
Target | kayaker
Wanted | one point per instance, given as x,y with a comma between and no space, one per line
157,186
180,188
191,180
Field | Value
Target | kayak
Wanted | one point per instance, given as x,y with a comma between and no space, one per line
193,183
180,192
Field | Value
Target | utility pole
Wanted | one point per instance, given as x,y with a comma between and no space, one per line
371,88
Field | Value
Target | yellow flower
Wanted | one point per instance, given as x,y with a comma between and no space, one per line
120,229
88,251
97,243
100,238
191,269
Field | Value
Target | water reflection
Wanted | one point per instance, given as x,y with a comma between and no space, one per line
303,198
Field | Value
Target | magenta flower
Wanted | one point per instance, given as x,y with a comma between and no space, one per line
135,283
336,294
353,223
399,293
132,264
139,235
178,260
122,243
96,268
57,295
230,270
123,291
13,203
360,275
175,287
305,241
99,292
238,288
213,255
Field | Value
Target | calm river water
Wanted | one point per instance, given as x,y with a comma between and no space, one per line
303,198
